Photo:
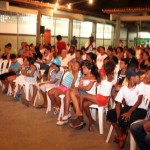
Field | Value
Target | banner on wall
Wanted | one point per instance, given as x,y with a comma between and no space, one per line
47,36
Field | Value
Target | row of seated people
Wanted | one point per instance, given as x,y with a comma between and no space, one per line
81,94
45,55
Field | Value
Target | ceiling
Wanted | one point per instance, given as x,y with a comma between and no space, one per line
98,5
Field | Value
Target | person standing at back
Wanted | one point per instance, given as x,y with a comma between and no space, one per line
60,45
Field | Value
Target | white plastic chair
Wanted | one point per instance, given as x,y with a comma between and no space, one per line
49,107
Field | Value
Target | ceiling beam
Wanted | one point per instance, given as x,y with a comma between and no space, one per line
129,18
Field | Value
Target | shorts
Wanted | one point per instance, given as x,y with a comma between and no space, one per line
46,86
101,100
63,88
82,92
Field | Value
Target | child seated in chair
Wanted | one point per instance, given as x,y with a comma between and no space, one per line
28,76
13,70
67,83
54,77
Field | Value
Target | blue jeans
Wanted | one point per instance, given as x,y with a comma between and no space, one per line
141,137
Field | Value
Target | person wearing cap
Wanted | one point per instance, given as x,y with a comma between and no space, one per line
122,117
54,78
141,129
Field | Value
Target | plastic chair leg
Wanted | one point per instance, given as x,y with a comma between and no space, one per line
109,133
101,119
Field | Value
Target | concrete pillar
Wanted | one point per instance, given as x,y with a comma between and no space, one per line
70,30
39,21
137,34
117,35
94,30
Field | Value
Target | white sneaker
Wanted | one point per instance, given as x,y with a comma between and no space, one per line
62,122
66,117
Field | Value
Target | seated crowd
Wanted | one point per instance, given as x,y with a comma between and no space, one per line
85,78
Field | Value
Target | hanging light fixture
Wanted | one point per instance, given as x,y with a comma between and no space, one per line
69,6
90,1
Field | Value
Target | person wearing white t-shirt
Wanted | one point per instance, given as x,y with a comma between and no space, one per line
90,44
100,57
140,130
122,117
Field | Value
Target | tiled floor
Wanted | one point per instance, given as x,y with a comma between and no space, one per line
28,128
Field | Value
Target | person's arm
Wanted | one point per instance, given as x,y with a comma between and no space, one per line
127,115
32,73
86,88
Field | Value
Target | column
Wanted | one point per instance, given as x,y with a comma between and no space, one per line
38,35
70,32
117,35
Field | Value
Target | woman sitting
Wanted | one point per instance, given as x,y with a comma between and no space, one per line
28,76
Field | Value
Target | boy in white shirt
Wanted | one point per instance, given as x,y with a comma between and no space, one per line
122,117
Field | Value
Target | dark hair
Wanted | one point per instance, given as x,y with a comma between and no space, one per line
59,37
13,56
131,51
83,48
125,60
92,56
47,47
30,60
102,47
93,67
9,44
121,49
109,67
110,49
79,52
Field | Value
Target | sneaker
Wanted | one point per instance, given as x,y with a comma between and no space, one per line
17,98
62,122
66,117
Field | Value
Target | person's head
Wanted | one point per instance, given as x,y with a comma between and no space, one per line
64,53
25,61
74,37
30,61
6,49
78,54
72,49
47,49
59,37
22,44
83,49
123,63
91,57
147,73
145,55
75,66
9,45
102,50
27,47
56,63
133,75
119,50
109,67
110,51
130,52
89,68
91,39
13,58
